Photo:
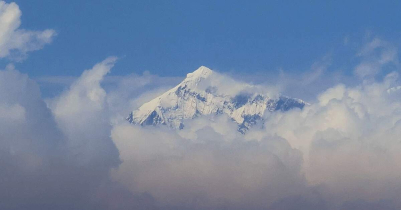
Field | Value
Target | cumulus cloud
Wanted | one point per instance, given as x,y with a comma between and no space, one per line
15,43
28,138
21,106
209,171
47,161
338,153
83,104
341,152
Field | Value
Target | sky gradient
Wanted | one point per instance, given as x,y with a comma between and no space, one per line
172,38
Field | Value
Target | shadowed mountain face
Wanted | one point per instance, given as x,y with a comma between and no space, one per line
207,93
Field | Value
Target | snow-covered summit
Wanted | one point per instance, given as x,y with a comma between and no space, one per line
193,79
204,93
201,72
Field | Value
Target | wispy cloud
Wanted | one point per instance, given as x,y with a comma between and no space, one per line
376,55
15,43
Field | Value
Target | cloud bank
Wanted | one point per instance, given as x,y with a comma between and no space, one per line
76,151
339,153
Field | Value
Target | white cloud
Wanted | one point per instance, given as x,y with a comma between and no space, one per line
62,159
12,113
341,152
349,141
15,43
82,114
208,171
338,153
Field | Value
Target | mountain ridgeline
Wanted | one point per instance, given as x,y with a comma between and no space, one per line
208,93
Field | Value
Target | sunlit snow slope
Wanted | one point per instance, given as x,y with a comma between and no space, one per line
206,93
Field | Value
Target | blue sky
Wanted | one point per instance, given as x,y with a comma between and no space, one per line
172,38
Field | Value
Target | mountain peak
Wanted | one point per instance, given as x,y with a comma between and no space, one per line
201,72
198,95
